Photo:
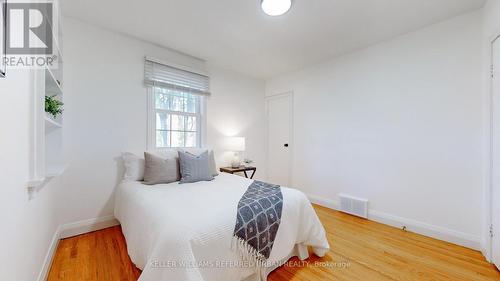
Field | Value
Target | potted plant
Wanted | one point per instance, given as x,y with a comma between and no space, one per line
53,106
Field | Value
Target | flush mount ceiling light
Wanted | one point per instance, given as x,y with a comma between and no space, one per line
276,7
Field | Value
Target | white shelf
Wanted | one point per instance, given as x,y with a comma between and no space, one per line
51,171
32,183
46,141
54,170
52,87
51,124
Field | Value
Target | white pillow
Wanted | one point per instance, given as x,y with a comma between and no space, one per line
134,167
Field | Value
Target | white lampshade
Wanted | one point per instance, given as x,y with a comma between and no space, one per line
276,7
235,144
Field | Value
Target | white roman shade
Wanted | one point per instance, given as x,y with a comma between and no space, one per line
165,76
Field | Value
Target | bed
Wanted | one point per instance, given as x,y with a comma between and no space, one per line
183,232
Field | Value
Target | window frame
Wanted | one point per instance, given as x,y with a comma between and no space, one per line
151,127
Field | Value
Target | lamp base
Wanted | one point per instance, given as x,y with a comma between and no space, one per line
236,162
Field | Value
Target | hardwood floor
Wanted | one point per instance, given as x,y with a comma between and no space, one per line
100,255
360,250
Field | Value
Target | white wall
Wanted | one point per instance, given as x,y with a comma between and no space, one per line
491,28
105,111
236,108
400,124
28,226
105,114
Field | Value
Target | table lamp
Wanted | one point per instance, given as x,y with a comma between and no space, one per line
236,145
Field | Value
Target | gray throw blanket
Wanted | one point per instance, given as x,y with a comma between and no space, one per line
258,220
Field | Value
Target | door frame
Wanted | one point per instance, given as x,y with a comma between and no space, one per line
290,95
488,247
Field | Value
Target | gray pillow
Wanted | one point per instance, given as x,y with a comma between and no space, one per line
160,170
194,168
211,158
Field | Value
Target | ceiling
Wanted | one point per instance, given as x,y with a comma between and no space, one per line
237,35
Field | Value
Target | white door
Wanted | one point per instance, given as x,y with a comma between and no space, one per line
495,195
279,142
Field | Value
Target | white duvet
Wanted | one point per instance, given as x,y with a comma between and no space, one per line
183,232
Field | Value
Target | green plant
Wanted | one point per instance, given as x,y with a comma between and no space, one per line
53,106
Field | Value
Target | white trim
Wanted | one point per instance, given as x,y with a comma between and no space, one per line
73,229
151,145
291,143
35,182
203,123
178,66
495,36
47,262
486,241
36,177
86,226
177,112
434,231
325,202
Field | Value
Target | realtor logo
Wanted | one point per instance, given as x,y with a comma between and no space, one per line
29,36
29,29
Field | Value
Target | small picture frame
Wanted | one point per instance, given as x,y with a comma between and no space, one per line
3,36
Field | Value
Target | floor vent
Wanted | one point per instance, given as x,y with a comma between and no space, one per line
354,206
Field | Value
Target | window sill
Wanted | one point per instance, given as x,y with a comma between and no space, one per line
51,172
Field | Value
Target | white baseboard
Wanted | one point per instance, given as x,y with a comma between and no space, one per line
86,226
329,203
434,231
47,262
437,232
486,250
73,229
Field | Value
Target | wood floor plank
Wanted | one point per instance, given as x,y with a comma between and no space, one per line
360,250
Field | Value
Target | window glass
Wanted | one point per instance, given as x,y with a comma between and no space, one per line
178,117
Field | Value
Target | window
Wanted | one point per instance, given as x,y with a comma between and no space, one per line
177,118
176,102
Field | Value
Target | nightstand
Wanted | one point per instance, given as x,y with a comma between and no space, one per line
243,169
